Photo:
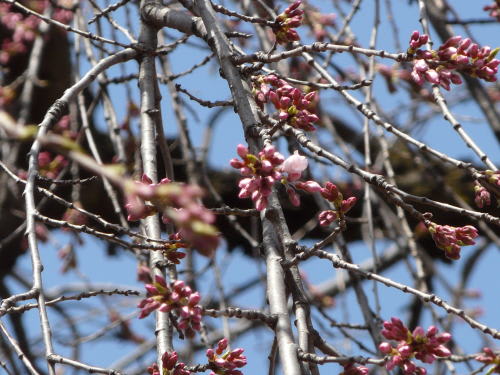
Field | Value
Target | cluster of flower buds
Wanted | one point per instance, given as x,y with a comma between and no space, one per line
285,23
494,9
491,358
332,194
424,346
260,171
178,203
417,41
224,362
293,167
269,166
177,298
455,55
171,251
451,239
351,369
169,365
482,196
293,105
22,29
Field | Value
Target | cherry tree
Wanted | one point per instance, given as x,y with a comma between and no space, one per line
294,136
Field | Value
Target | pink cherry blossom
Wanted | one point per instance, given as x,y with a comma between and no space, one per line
177,298
425,346
225,362
456,55
286,21
451,239
294,165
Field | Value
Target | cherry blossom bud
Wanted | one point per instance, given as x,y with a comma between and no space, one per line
330,192
385,347
432,76
293,6
441,351
452,42
348,204
421,65
242,150
482,196
417,77
295,163
309,186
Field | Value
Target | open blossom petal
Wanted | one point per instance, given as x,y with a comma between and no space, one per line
295,163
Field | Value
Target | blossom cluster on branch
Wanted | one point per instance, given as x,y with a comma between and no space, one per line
286,22
170,366
425,346
24,28
178,203
225,362
451,239
261,171
178,298
489,357
456,55
482,196
293,105
493,9
332,194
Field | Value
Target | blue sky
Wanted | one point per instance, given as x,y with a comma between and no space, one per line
205,83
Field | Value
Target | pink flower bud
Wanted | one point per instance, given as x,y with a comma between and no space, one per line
194,299
432,76
178,285
222,345
385,347
242,151
417,77
210,353
405,350
421,65
452,42
348,204
442,351
293,6
309,186
274,98
409,368
432,330
151,289
165,308
160,280
415,35
235,163
455,78
311,96
330,192
285,103
261,203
